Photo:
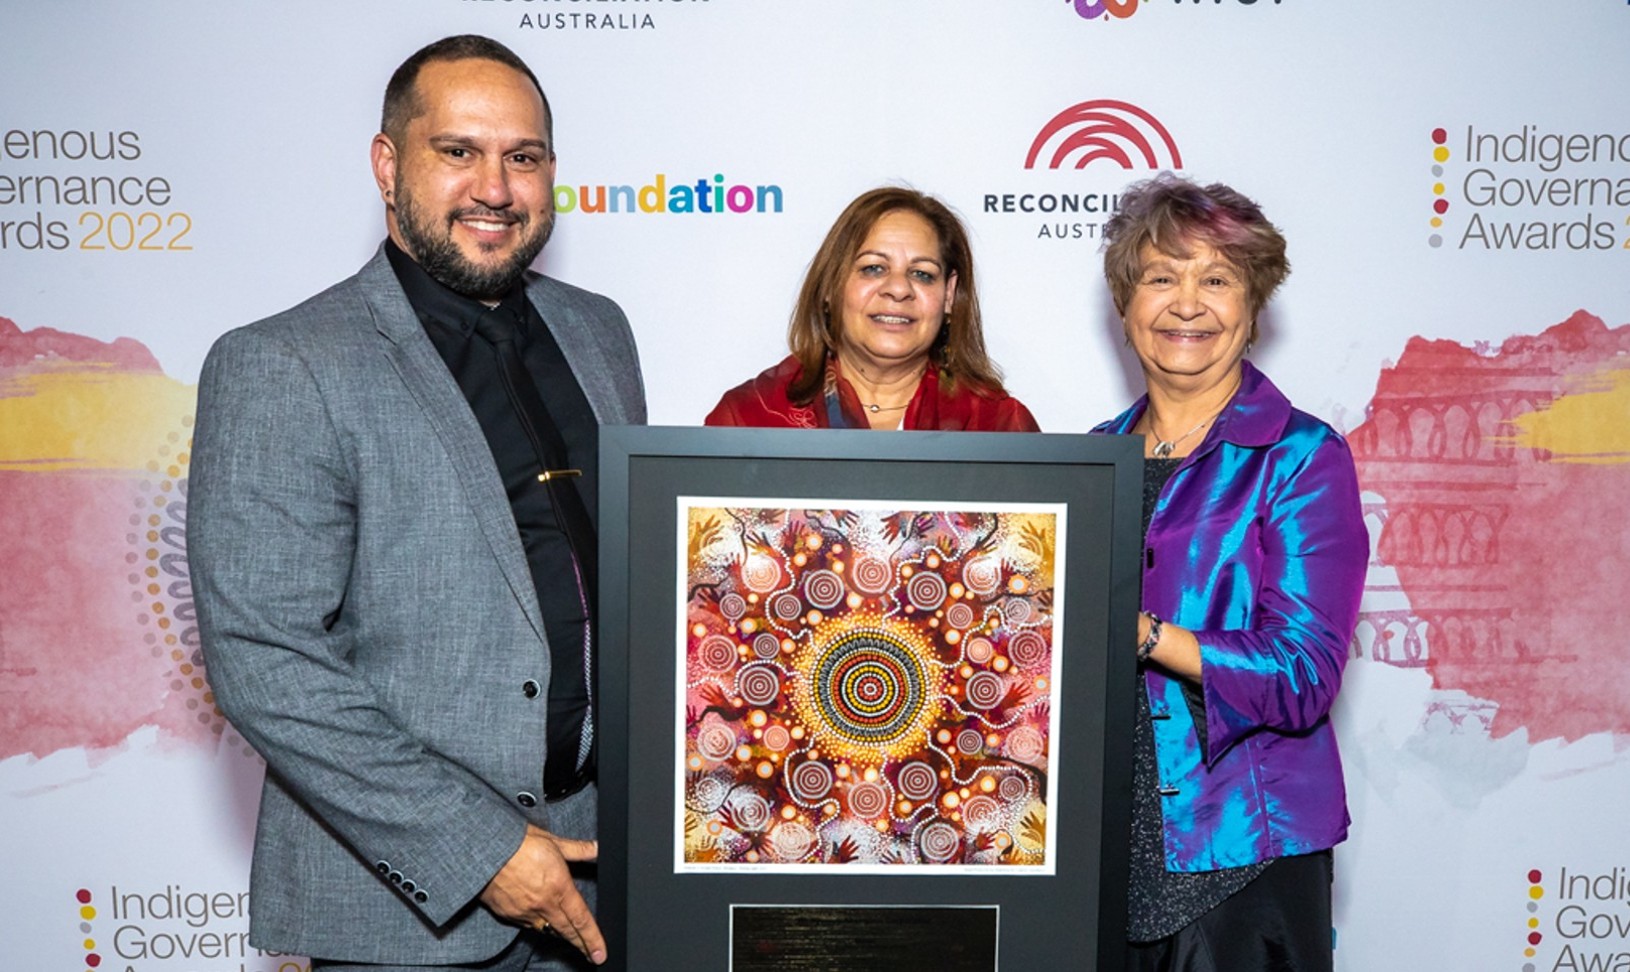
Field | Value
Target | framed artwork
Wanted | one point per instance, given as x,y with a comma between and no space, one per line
866,686
857,704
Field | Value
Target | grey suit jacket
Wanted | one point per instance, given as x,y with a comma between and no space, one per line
369,622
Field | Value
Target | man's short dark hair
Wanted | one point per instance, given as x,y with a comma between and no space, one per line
402,102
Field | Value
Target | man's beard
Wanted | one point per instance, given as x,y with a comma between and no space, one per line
441,258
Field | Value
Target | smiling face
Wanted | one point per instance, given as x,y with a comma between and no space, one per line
895,297
1189,319
469,191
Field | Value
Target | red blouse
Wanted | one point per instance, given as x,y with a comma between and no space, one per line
762,402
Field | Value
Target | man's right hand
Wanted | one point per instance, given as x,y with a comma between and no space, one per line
535,889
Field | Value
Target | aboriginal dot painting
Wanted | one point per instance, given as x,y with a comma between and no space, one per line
870,687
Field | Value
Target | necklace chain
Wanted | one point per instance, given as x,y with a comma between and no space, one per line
1165,447
874,408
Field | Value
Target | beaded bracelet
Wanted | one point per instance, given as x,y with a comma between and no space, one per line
1152,639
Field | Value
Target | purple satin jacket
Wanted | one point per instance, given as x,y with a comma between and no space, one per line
1258,546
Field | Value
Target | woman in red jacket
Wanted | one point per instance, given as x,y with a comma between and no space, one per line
886,332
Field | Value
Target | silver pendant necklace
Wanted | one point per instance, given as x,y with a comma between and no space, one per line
1164,448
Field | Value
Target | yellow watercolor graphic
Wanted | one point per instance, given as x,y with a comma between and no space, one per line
85,418
1591,425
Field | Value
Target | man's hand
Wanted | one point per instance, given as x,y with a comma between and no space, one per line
535,889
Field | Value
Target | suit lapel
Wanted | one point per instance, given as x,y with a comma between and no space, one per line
426,376
574,333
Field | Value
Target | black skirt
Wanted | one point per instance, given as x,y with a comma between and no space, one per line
1279,922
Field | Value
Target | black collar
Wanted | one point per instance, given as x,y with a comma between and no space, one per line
435,303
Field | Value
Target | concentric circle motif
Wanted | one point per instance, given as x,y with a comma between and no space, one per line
938,842
868,686
984,690
752,811
777,738
761,574
981,813
868,800
969,741
766,645
708,793
1025,745
810,781
1016,610
960,615
979,650
786,607
982,575
758,683
916,780
926,591
717,653
791,841
870,575
823,588
1013,788
733,606
715,741
1028,649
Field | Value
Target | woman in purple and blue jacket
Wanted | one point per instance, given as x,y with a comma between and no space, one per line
1255,551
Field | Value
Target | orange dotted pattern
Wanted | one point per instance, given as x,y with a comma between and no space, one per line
161,591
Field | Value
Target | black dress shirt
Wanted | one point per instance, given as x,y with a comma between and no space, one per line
449,321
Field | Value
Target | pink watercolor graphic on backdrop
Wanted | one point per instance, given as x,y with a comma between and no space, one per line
1505,474
96,638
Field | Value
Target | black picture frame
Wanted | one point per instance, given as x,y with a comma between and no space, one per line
655,918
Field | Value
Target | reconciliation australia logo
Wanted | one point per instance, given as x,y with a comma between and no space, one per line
1079,159
1530,188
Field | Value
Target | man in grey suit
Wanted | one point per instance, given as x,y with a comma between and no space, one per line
391,539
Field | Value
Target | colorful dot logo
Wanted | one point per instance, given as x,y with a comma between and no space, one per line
1093,9
1532,938
87,914
1440,205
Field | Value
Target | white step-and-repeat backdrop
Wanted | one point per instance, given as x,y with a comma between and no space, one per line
1453,177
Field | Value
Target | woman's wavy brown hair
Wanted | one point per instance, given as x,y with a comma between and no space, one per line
814,332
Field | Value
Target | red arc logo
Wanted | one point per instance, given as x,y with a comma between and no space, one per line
1105,129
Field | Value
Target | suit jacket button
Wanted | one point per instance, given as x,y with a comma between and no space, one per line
396,877
421,897
526,800
383,867
408,886
530,688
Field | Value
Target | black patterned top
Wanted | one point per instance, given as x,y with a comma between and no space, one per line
1163,902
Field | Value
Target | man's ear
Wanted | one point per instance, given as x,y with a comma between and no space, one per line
382,156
